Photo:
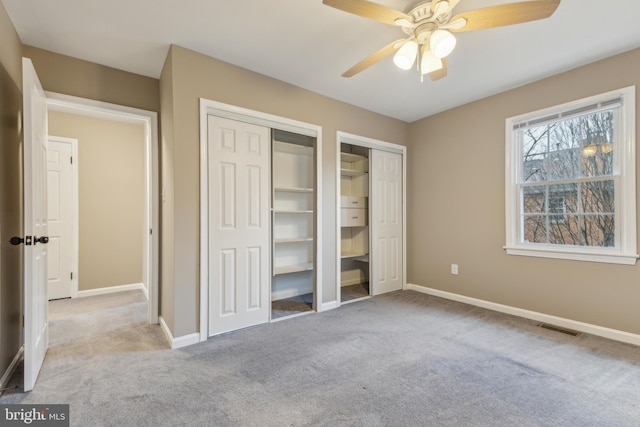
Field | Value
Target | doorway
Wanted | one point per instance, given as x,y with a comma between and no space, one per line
147,237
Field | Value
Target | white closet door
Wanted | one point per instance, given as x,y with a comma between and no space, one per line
60,215
386,221
239,244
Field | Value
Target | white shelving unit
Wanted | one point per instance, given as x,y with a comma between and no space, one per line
293,216
354,215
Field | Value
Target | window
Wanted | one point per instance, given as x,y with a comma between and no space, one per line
557,208
570,180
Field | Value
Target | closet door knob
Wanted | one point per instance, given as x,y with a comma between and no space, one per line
43,239
15,241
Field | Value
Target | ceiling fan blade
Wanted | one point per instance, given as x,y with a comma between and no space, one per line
372,59
506,14
434,3
452,4
369,10
442,72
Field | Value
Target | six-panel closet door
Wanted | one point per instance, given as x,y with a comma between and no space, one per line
239,237
386,224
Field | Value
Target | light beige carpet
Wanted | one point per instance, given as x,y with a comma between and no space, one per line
400,359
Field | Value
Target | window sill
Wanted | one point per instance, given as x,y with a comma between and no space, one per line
576,254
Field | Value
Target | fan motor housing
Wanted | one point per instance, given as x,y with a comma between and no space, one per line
423,31
422,12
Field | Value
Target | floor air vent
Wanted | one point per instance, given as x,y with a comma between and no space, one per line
559,329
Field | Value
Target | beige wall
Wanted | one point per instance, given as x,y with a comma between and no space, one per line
72,76
456,210
192,76
10,48
10,215
111,197
167,292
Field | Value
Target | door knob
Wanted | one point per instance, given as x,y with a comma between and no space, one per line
43,239
15,240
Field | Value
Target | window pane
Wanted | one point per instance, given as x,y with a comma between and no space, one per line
563,198
552,214
597,143
598,163
557,208
565,232
598,197
535,229
571,148
598,230
564,152
534,153
533,199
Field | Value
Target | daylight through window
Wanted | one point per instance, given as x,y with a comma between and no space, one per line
571,180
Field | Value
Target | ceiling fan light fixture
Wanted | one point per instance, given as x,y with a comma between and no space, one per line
589,150
429,62
606,147
442,43
406,55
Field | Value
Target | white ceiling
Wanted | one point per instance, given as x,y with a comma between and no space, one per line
310,45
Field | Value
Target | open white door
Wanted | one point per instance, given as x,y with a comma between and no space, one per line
36,334
386,222
239,244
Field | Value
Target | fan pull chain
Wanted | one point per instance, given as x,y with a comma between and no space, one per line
418,63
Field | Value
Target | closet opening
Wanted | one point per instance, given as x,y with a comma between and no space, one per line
293,207
370,216
260,218
354,223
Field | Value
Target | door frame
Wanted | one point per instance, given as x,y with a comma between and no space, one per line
75,237
151,226
209,107
375,144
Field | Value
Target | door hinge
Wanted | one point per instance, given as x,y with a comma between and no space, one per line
71,159
151,231
72,275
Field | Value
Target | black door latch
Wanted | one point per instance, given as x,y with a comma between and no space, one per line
28,240
15,241
43,239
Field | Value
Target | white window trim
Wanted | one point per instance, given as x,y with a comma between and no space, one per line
626,250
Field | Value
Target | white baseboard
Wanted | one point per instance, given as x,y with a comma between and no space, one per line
179,342
112,289
6,377
588,328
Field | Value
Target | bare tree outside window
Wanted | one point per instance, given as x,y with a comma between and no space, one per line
568,195
570,180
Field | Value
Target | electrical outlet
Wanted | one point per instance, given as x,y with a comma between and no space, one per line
454,269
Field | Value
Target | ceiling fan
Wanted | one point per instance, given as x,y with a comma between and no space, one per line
429,26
